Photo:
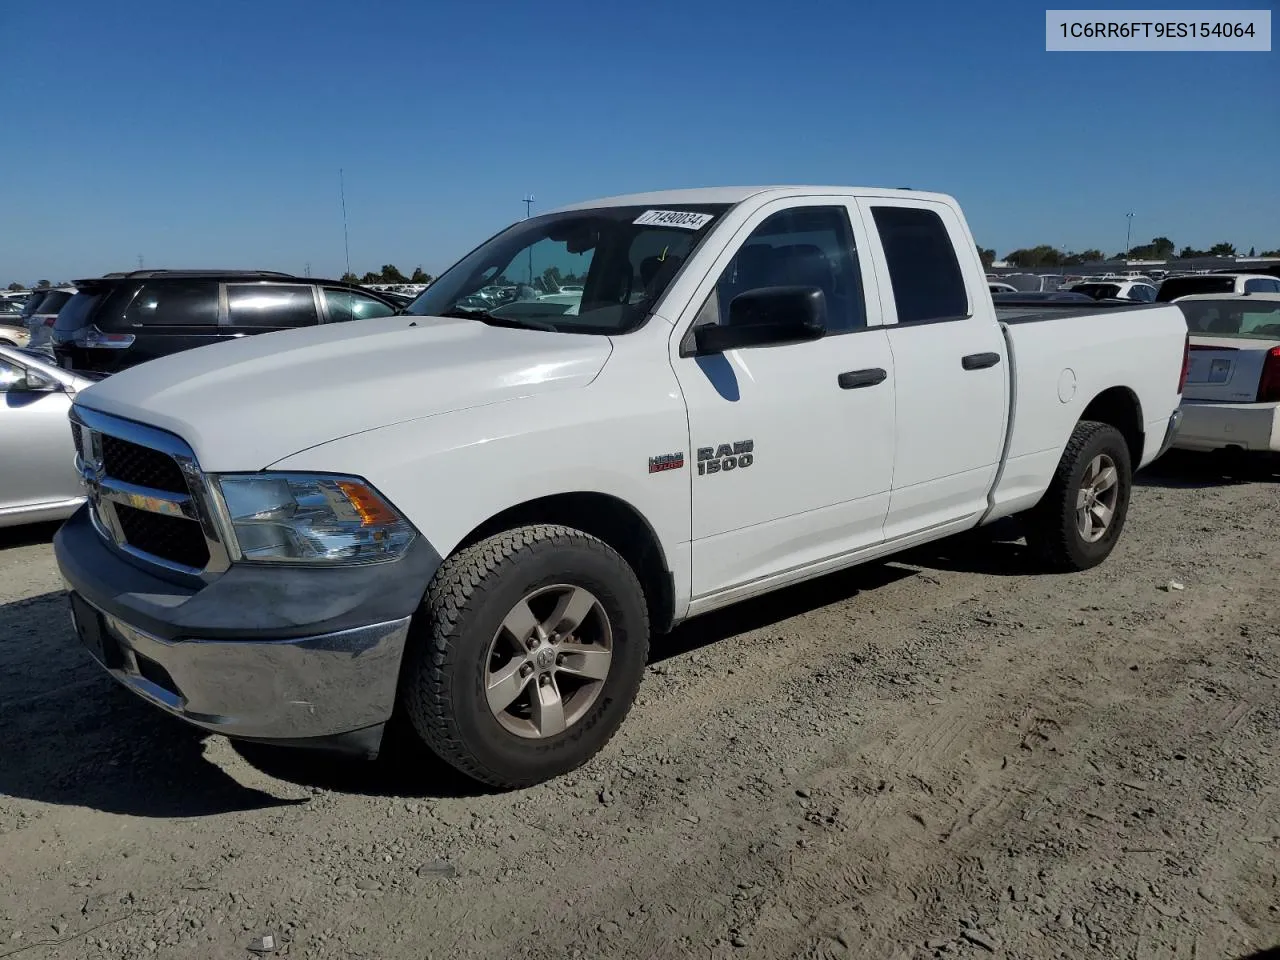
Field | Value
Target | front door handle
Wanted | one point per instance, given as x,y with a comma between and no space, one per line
979,361
853,379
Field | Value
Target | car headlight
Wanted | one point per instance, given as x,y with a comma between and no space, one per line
311,518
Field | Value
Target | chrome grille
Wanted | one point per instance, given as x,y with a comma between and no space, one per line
146,493
142,466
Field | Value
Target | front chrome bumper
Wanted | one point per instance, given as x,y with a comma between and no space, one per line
300,688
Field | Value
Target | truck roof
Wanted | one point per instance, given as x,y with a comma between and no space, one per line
700,195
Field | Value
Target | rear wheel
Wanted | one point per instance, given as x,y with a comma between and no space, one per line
526,655
1078,521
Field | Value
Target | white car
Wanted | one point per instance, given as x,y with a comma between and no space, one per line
1239,284
1134,290
38,477
996,287
1232,398
483,517
40,313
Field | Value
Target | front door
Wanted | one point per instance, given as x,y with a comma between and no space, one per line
793,444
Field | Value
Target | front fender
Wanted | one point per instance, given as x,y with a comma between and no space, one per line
450,473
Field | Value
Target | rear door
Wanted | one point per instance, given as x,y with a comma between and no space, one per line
254,308
950,361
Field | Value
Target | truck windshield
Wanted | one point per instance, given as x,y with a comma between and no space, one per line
583,271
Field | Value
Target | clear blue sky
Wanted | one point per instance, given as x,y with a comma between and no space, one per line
211,134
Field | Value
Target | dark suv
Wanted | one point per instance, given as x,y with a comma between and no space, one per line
122,319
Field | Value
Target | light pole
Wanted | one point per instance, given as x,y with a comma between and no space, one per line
1128,234
528,212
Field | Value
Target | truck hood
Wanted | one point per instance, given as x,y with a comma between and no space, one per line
246,403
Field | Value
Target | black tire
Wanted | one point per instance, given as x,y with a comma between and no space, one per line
442,685
1051,528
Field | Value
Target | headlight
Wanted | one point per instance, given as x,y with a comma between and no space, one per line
304,518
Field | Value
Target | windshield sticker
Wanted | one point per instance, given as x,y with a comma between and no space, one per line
674,218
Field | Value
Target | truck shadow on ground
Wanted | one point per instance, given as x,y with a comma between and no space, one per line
73,737
1180,469
406,769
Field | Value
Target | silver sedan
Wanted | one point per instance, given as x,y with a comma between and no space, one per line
38,477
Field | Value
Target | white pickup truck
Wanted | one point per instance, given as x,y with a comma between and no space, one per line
476,520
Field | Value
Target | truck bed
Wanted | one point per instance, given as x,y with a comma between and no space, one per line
1030,311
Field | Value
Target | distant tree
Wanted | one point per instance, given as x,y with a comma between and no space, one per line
986,255
350,278
371,277
1162,247
16,286
391,275
552,277
1222,250
1084,256
1270,253
420,276
1041,256
1251,253
43,285
1190,253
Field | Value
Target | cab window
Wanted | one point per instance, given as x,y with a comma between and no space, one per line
805,247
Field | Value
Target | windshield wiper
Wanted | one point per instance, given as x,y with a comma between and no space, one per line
515,323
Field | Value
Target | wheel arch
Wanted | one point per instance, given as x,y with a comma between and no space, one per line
609,518
1120,407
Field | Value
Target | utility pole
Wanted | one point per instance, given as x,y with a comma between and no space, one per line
307,269
528,212
1128,234
139,261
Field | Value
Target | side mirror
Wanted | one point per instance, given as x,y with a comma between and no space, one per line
766,317
35,383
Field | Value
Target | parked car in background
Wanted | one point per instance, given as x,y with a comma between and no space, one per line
38,476
1134,290
996,286
482,516
122,319
13,331
1232,396
1218,283
40,313
1054,296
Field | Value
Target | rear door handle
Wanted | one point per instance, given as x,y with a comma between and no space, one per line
979,361
853,379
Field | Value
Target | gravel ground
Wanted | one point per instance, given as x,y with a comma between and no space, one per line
936,756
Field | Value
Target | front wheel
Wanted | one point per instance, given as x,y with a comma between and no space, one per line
526,655
1076,524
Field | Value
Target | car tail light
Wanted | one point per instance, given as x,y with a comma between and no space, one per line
1269,384
91,338
50,321
1186,363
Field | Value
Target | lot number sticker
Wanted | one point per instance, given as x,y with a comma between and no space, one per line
674,218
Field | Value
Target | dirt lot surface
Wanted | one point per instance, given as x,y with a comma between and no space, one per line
937,756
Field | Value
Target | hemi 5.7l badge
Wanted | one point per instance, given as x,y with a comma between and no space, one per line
726,457
666,461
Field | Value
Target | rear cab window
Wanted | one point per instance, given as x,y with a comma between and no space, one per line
928,285
271,305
